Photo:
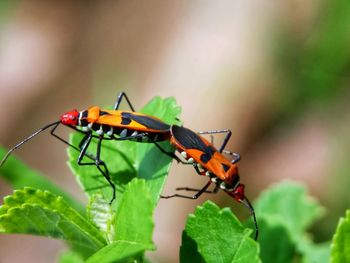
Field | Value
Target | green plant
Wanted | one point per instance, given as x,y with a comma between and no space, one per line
123,232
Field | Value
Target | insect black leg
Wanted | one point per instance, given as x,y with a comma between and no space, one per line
214,191
236,156
119,99
247,203
52,132
212,139
7,155
67,143
227,137
84,144
132,137
105,173
195,196
140,135
171,154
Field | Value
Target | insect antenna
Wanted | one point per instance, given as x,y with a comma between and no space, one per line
247,204
27,139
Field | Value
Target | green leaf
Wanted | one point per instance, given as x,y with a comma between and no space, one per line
36,212
275,242
127,160
340,248
287,204
70,257
151,164
100,212
189,250
133,226
284,213
19,175
134,221
314,253
218,237
120,251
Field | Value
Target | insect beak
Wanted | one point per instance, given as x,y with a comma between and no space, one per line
238,195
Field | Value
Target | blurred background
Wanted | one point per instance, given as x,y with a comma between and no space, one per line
275,73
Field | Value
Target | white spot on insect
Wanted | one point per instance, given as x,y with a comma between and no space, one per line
214,179
100,131
223,185
134,133
200,167
85,128
79,118
190,160
123,133
90,125
184,154
230,189
110,132
207,173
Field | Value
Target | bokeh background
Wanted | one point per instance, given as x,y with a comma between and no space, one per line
274,72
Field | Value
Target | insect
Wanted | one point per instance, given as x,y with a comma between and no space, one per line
210,162
130,125
106,125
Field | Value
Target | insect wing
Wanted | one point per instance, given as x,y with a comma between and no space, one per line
187,139
202,152
150,122
131,120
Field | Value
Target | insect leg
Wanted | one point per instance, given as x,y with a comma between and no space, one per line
247,203
127,138
84,144
119,99
69,144
61,139
55,124
171,154
236,156
227,137
105,173
214,191
195,196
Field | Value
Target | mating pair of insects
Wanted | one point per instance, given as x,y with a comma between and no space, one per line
192,148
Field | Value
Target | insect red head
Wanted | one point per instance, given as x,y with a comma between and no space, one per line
70,118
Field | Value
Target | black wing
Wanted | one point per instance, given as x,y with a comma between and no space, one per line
146,121
191,140
187,138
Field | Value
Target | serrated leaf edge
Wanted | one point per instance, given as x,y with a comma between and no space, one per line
98,239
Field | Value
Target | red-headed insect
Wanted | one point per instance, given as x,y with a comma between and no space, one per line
130,125
210,162
106,125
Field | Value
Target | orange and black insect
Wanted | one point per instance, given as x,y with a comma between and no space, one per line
106,125
130,125
210,162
